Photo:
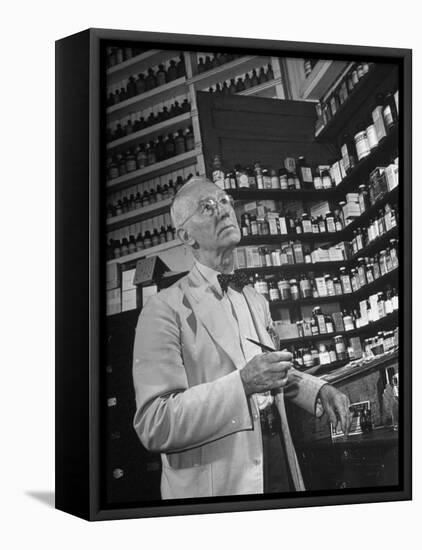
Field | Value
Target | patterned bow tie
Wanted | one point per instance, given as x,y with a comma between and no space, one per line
236,281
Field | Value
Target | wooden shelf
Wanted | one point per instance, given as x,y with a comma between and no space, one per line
256,240
294,268
229,70
360,94
363,292
135,216
138,64
165,127
266,89
386,323
146,252
250,194
277,304
147,99
375,245
370,212
153,171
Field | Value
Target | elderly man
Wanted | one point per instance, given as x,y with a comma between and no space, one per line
207,398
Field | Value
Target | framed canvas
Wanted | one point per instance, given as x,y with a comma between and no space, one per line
233,277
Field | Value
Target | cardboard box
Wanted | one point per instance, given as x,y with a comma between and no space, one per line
253,257
113,276
320,209
129,300
127,280
352,197
351,210
240,258
321,286
392,176
338,321
113,302
286,330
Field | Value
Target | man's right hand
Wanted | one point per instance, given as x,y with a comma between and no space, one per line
266,371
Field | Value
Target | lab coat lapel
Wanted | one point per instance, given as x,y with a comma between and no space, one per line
208,309
258,316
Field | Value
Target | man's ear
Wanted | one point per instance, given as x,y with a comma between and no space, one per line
186,238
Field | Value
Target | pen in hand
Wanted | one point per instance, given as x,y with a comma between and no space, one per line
264,347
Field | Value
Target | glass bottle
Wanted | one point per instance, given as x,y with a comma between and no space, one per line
161,75
361,142
346,285
189,139
348,153
172,71
150,81
305,173
305,287
284,288
294,289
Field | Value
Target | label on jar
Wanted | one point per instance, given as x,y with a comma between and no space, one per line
307,226
345,156
379,123
372,136
317,182
388,116
243,180
283,182
362,145
306,174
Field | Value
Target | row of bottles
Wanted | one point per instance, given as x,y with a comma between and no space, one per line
207,63
294,174
257,77
274,223
346,281
134,201
143,82
344,349
370,131
297,174
145,154
134,243
328,108
137,121
385,221
119,54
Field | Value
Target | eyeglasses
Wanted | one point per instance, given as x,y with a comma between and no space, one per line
208,207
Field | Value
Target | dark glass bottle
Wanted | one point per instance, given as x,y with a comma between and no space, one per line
201,66
247,81
348,153
232,87
151,158
131,87
181,69
160,150
262,77
169,147
240,85
172,71
389,112
270,72
189,140
225,89
132,244
150,81
254,79
161,75
179,143
305,173
208,63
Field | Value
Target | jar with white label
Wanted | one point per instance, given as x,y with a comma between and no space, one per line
274,292
361,142
284,288
340,347
241,177
317,180
294,289
371,134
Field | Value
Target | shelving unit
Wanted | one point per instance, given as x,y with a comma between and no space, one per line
153,171
358,97
134,216
167,126
151,251
386,323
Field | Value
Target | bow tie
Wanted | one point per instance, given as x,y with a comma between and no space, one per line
236,281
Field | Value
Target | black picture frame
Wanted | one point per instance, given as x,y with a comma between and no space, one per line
80,275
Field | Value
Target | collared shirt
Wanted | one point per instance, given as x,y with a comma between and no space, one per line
237,308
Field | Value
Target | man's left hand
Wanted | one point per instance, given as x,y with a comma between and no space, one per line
336,405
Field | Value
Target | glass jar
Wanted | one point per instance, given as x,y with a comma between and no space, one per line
340,346
383,262
346,285
305,287
284,288
294,289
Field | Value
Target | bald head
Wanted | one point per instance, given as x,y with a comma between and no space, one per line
186,199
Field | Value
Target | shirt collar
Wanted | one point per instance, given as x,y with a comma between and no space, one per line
210,275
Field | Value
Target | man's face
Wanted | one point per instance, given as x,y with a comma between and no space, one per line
217,232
